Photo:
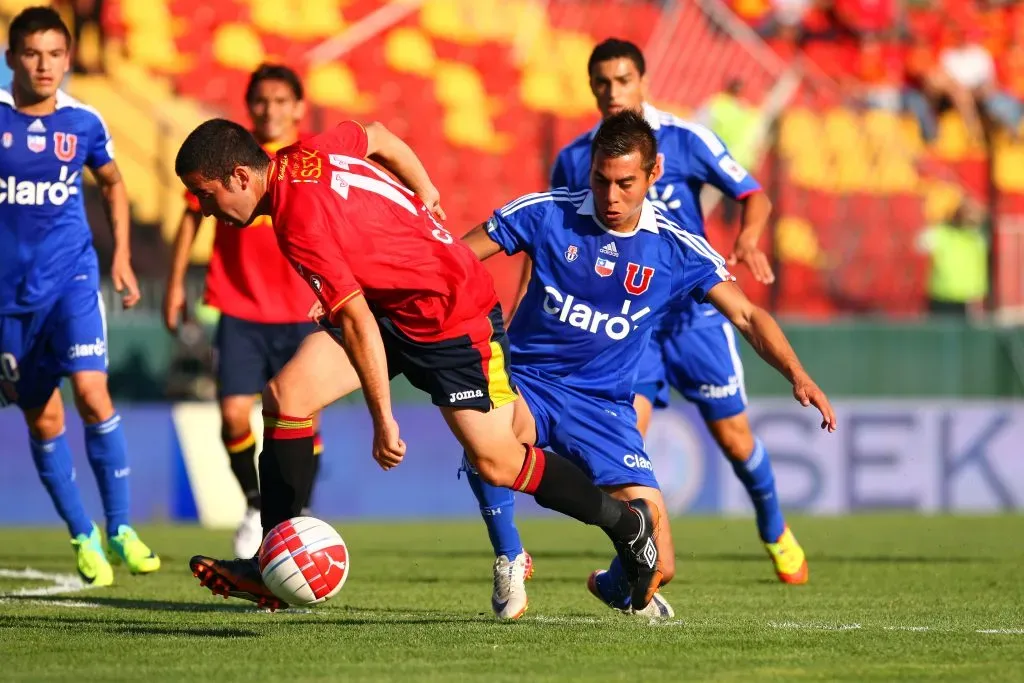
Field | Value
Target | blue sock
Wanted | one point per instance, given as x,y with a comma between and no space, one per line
614,585
497,507
53,462
759,480
108,456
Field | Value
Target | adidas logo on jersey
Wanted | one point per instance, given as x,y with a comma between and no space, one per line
33,193
610,249
581,316
36,127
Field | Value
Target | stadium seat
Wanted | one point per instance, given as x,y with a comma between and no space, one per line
953,143
472,127
333,85
541,90
450,20
457,84
299,19
1009,168
408,50
237,46
798,126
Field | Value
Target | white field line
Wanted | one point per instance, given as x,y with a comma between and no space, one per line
62,583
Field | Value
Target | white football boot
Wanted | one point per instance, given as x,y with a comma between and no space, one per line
509,599
657,608
249,534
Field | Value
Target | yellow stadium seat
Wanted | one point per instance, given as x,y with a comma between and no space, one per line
796,242
13,7
333,85
471,127
318,18
941,199
573,52
408,50
841,130
236,46
953,143
852,172
810,168
449,19
541,90
797,128
1009,168
155,49
894,175
457,84
146,13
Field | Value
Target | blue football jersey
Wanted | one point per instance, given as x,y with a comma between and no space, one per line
44,236
595,296
692,156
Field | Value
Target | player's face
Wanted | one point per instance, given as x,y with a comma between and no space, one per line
39,63
619,185
233,203
617,85
275,112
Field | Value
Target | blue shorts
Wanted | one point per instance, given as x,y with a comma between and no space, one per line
600,437
247,354
701,363
38,349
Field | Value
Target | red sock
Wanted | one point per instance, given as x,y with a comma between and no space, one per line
532,471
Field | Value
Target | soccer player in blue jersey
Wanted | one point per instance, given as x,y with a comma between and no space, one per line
51,315
607,267
695,349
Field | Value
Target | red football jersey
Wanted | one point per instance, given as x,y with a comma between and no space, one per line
248,278
350,229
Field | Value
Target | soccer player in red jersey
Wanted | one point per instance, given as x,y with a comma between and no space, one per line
263,302
402,296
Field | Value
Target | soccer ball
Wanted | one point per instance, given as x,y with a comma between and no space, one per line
304,561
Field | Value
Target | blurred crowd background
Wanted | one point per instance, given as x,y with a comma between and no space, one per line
886,132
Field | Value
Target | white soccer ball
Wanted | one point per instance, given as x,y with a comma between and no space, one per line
304,561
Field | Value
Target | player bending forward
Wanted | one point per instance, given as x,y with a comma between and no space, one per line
263,302
404,297
51,311
606,266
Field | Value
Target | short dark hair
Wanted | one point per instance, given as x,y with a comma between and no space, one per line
273,72
613,48
216,147
35,20
625,133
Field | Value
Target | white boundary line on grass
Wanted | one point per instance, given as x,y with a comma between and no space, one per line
62,583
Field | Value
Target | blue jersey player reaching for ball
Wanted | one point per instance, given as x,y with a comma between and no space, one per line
51,315
607,267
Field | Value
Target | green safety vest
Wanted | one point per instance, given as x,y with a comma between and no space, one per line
959,264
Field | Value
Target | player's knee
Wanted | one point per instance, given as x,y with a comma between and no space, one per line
235,418
92,397
734,438
44,424
495,469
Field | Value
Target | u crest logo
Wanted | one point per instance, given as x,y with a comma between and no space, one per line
65,145
645,273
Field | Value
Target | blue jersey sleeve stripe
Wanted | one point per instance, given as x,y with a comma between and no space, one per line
697,244
530,199
710,140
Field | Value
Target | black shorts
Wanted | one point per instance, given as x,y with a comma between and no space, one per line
457,373
247,354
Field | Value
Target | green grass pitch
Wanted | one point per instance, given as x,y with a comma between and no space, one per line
891,598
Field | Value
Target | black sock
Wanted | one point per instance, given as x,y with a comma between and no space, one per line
242,454
286,468
559,485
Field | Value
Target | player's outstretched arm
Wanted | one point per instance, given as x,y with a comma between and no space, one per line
768,339
391,152
115,204
480,242
361,338
175,307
